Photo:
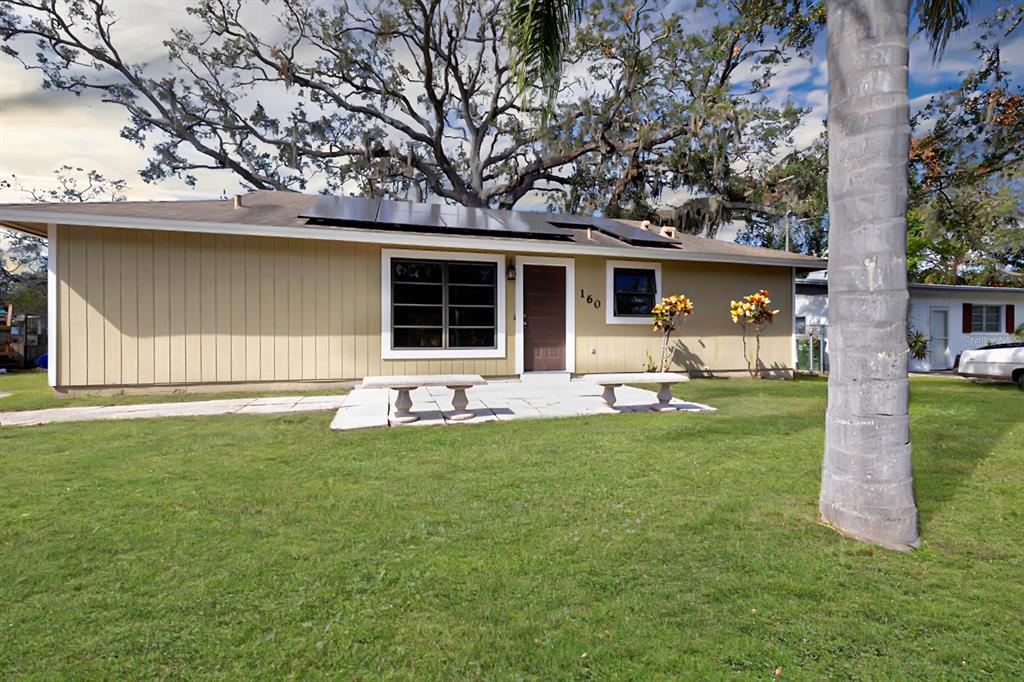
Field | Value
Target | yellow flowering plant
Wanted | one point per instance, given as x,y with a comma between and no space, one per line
667,315
753,311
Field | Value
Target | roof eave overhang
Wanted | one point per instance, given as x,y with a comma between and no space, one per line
17,216
37,229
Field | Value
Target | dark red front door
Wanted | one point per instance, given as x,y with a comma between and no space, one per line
543,318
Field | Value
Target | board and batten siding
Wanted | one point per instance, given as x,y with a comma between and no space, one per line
707,340
152,308
148,307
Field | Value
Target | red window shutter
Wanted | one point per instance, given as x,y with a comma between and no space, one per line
968,309
1010,325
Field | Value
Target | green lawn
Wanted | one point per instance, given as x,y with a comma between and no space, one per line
29,391
636,546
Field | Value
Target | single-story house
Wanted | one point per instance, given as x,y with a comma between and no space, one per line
294,288
954,318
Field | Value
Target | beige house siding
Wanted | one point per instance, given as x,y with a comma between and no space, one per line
707,340
146,307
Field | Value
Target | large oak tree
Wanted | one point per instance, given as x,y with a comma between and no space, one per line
416,98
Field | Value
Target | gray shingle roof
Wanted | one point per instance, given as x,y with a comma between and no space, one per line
284,209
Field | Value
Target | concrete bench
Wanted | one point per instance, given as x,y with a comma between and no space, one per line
666,379
403,384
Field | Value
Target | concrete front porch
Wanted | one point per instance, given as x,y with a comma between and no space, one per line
535,395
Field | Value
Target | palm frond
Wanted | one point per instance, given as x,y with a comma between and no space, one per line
940,19
538,33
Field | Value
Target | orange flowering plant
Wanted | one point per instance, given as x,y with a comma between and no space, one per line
667,314
754,311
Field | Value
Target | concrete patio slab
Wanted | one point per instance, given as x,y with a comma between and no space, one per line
534,397
363,408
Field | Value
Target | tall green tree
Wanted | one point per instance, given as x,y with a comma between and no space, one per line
795,193
967,171
867,487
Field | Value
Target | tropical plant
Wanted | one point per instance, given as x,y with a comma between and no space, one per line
667,316
753,311
917,342
867,484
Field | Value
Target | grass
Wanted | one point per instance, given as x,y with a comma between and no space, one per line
29,391
635,546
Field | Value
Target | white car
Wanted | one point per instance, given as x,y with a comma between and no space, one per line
1003,361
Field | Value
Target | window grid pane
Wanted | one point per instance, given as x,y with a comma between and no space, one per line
991,318
440,304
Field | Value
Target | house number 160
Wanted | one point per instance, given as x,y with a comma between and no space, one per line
596,302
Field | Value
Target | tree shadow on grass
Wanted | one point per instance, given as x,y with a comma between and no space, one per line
955,426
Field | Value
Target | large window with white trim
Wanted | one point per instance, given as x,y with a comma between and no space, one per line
438,304
985,318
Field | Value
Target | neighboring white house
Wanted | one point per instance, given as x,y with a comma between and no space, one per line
954,318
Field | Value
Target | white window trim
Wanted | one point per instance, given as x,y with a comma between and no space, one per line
570,308
609,297
389,353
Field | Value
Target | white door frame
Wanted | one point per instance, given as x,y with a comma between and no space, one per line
570,308
931,350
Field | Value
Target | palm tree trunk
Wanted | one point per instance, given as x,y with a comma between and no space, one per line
867,486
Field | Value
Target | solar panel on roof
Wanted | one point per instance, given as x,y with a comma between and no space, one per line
469,218
417,217
408,213
348,209
633,236
442,218
630,234
527,223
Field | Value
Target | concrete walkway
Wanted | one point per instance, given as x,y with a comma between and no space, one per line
535,396
198,408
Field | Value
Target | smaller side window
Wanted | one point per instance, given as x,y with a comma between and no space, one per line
801,325
985,318
635,291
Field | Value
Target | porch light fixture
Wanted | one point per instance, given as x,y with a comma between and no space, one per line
510,270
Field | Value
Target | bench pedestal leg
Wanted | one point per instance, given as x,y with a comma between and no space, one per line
459,403
402,405
608,395
664,399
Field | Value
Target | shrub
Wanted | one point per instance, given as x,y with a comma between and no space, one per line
667,314
753,311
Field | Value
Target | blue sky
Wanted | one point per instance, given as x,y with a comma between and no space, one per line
40,130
